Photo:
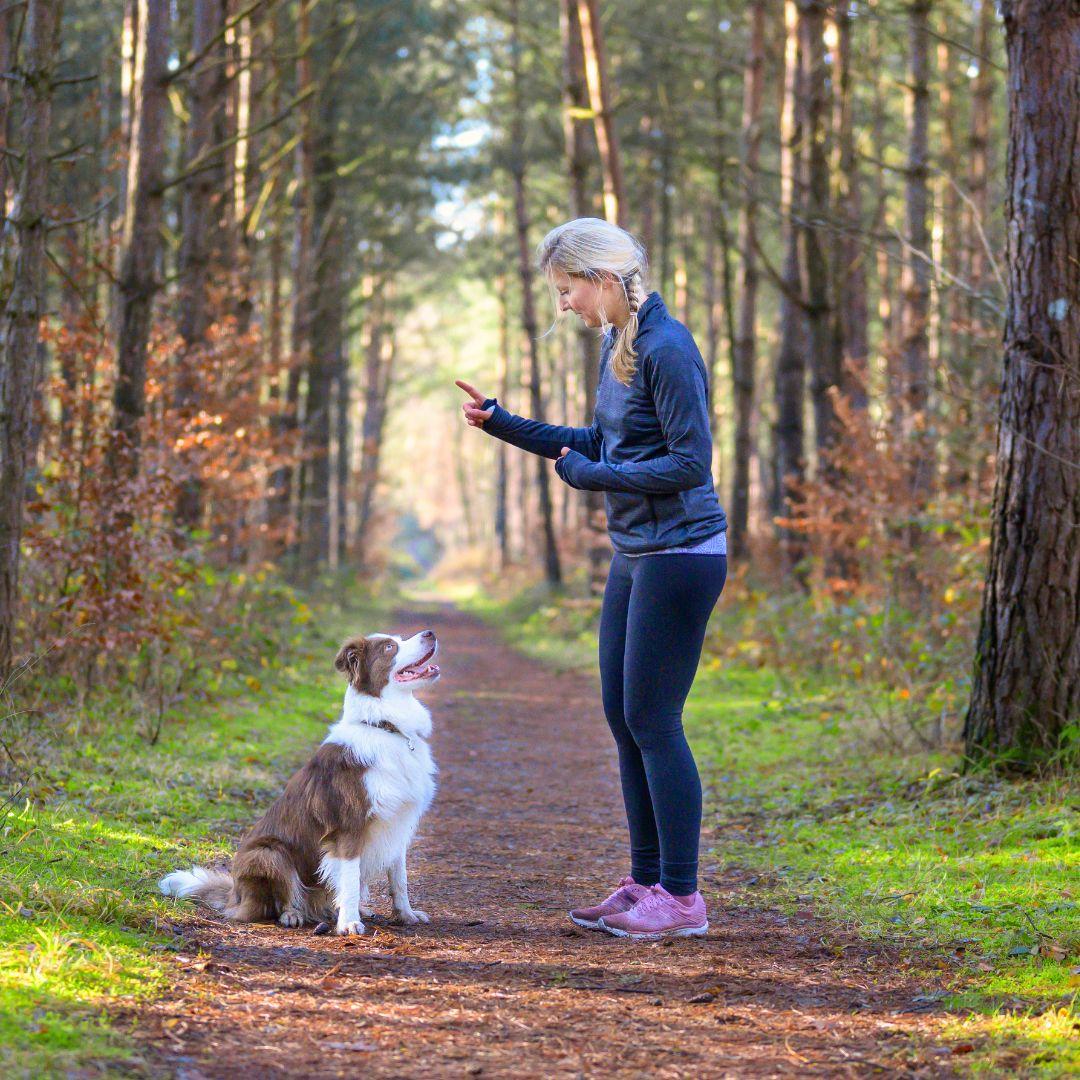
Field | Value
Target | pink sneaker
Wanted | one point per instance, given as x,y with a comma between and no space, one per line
657,915
622,899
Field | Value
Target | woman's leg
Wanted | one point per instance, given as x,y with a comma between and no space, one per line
644,843
672,598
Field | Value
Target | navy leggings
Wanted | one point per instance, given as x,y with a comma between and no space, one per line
652,627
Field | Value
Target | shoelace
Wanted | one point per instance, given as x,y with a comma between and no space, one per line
655,898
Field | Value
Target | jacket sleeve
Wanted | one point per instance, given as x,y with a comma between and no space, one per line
543,439
679,391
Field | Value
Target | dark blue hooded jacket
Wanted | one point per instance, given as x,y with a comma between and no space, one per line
649,448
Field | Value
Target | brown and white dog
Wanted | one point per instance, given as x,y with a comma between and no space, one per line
349,814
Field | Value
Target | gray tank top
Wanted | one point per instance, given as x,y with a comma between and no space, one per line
713,545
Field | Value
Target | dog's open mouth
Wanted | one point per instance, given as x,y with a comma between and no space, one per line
420,670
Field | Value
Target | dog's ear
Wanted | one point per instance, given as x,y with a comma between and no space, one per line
350,658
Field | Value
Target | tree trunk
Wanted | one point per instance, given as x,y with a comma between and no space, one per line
129,35
886,258
25,230
339,542
849,256
201,222
1026,687
744,349
502,478
915,286
790,378
326,342
715,217
575,106
142,232
9,21
663,242
596,76
250,85
378,367
982,104
647,193
817,284
302,288
552,569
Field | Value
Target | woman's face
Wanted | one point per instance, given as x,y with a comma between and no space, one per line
583,296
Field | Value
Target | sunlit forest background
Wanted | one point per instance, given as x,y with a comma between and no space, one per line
245,263
278,231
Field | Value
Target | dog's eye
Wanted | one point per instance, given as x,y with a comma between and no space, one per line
389,646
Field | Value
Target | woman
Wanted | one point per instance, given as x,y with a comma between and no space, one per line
649,449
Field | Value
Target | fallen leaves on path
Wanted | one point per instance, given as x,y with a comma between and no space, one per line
528,822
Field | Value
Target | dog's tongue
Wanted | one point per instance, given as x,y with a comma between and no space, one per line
410,674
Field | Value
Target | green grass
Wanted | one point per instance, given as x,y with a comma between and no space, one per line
814,783
81,922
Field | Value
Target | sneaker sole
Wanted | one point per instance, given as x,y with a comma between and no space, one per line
686,931
585,922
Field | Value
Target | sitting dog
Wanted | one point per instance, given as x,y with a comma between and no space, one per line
349,814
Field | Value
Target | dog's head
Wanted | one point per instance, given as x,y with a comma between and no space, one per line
373,663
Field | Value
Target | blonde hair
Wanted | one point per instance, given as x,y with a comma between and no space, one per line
590,247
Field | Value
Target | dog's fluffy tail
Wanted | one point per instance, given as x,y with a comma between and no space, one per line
210,887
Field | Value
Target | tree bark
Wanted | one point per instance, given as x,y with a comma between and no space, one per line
325,341
575,106
744,350
1026,687
790,376
849,256
502,476
9,21
201,212
886,259
982,104
378,367
596,76
552,568
139,281
302,262
339,542
816,270
25,230
915,286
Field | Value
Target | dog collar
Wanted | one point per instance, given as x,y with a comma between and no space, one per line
385,725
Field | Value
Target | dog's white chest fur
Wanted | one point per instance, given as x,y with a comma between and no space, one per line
399,778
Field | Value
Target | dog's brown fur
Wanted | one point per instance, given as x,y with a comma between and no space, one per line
366,662
324,810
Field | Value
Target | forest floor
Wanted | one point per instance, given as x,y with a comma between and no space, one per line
527,822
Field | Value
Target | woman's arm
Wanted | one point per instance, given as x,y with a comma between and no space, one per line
543,439
680,393
547,440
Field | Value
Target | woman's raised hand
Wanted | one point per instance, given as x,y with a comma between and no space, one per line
475,414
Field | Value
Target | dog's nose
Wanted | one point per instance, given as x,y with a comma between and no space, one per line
428,635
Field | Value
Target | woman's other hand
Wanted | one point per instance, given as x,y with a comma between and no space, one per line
475,413
565,464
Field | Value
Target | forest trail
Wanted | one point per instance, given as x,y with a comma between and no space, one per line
527,821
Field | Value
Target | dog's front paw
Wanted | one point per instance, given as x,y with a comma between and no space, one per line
411,917
291,918
349,929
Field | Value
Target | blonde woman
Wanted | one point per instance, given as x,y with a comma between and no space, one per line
649,450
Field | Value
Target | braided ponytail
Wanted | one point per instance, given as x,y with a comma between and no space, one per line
623,356
588,247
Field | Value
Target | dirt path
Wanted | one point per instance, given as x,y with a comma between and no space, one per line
526,822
